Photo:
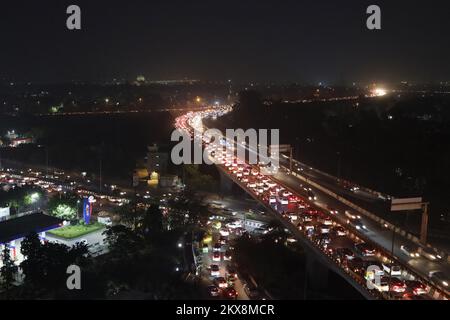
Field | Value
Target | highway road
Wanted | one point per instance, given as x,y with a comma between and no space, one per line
375,232
418,268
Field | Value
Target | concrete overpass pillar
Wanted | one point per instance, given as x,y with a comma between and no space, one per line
226,184
316,277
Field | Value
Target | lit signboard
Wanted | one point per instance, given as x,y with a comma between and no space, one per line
87,209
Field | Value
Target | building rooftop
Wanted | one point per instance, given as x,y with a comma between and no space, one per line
19,227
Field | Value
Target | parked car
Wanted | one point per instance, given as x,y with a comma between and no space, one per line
339,231
230,293
213,291
221,282
357,265
324,228
396,270
365,249
383,285
216,257
397,285
416,287
217,247
215,270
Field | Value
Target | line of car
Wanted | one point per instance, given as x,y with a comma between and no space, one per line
320,229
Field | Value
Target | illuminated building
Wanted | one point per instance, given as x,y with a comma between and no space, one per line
14,228
156,164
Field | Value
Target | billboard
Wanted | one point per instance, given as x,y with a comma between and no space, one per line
87,209
406,204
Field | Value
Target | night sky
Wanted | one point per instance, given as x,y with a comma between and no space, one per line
245,40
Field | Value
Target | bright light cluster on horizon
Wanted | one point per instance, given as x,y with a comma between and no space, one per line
379,92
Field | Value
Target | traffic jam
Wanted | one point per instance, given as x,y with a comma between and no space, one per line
224,279
216,250
59,182
334,233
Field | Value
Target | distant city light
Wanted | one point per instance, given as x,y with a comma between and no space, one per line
379,92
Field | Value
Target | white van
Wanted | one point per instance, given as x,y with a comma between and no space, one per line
396,270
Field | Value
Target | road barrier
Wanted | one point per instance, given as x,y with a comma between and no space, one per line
434,292
366,189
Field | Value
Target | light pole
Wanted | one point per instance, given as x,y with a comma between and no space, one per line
338,164
100,177
46,159
392,261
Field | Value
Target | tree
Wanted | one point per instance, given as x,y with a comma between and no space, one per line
45,265
19,197
64,211
121,240
31,266
8,270
130,215
64,206
197,180
188,212
153,221
277,234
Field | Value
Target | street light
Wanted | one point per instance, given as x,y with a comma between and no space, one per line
34,197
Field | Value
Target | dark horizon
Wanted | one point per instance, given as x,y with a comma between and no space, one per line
308,42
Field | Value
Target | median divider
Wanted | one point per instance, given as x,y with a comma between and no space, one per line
366,189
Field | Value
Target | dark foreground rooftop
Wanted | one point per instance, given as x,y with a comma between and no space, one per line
19,227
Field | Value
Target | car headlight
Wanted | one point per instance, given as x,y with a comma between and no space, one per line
439,257
432,257
445,283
